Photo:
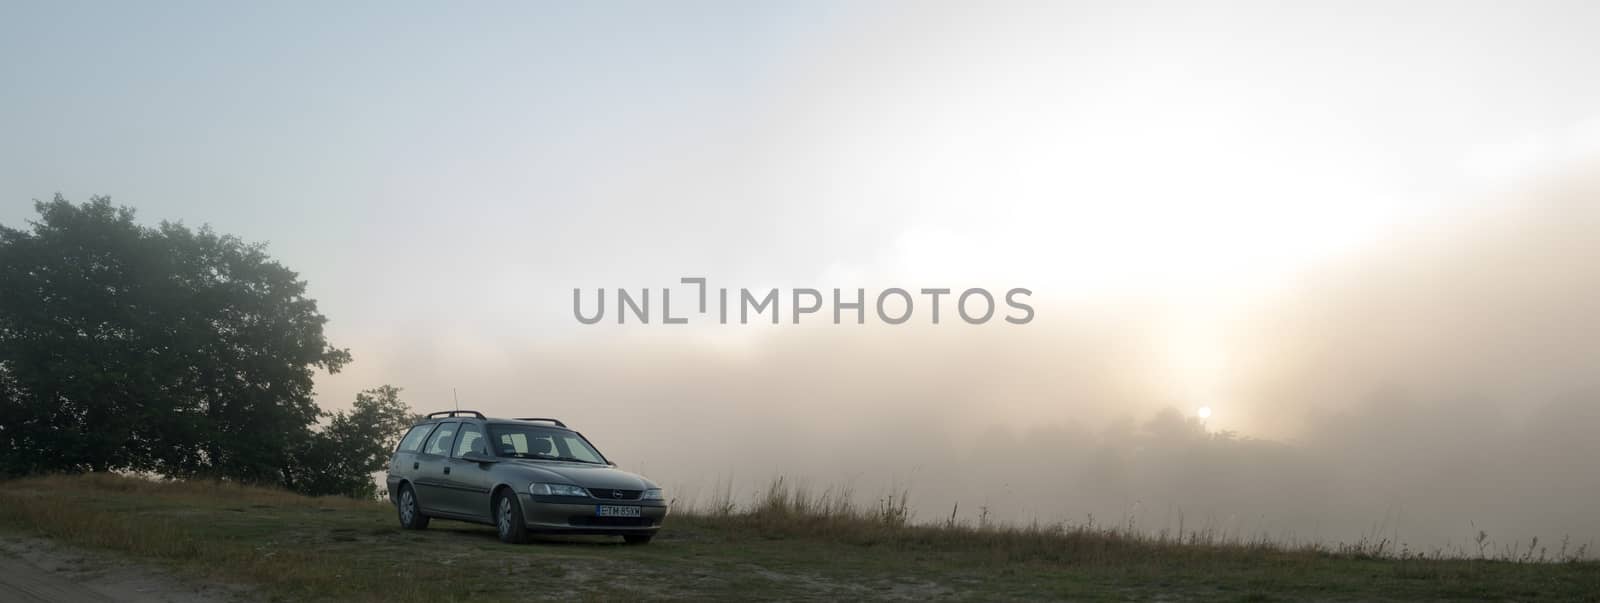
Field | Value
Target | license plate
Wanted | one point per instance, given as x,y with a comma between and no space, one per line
610,511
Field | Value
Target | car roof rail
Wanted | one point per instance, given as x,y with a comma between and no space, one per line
454,413
547,420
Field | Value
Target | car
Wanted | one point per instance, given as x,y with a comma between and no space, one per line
524,476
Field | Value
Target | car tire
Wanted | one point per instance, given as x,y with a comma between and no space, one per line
637,538
411,517
508,520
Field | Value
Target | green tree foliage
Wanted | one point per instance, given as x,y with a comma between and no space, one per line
341,458
165,349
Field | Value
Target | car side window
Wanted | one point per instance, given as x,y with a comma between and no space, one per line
471,440
413,440
442,438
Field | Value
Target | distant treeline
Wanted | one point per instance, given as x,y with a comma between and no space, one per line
175,351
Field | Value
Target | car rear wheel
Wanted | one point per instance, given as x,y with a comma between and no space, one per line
637,538
411,517
508,519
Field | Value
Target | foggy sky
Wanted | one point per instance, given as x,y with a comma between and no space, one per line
1439,383
1360,233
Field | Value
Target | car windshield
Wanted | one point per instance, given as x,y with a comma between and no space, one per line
534,442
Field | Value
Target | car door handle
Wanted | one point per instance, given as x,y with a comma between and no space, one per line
414,465
447,471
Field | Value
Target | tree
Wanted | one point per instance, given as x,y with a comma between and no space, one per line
342,457
181,352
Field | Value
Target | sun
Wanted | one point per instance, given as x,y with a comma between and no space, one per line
1204,412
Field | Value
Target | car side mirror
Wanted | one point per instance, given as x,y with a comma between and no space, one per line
478,457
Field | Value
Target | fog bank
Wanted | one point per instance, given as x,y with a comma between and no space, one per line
1439,383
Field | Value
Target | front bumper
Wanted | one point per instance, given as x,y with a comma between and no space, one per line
577,516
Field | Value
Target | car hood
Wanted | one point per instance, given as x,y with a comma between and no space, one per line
582,474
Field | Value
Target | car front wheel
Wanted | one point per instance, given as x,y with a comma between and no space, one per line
411,517
508,519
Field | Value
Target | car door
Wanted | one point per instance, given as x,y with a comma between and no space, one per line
433,492
403,464
469,480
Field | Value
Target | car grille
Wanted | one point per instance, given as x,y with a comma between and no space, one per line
609,494
610,522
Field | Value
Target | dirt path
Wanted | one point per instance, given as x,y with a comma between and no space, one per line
36,570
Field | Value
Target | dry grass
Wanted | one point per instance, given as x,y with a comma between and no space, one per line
784,510
209,528
788,542
790,510
178,490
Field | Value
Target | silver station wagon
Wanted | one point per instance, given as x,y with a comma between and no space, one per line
523,476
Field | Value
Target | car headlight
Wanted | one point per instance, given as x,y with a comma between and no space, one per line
557,490
652,494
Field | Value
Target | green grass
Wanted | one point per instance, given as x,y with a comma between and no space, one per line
788,545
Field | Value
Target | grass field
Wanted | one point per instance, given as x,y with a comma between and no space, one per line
787,546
